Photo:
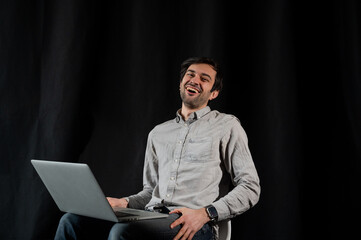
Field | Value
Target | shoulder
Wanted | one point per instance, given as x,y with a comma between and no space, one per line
229,123
224,118
163,127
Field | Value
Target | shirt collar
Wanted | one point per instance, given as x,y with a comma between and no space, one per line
194,115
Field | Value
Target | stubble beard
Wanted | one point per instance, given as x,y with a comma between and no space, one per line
194,102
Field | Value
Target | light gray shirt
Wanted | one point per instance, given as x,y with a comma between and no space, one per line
191,163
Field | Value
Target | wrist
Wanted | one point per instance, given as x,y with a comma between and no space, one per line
205,215
125,202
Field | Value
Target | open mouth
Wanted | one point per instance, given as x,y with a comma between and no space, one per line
192,89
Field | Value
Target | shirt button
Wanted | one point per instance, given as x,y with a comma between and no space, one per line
176,160
179,142
168,195
172,178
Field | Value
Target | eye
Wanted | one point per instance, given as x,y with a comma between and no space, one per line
190,74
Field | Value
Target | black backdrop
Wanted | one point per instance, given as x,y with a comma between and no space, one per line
85,81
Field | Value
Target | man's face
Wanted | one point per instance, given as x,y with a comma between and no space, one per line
196,85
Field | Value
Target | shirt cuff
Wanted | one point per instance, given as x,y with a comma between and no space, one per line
222,210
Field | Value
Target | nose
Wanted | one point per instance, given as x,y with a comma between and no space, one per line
196,78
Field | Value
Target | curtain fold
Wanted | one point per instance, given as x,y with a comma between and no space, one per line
85,81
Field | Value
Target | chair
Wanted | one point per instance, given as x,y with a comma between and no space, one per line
224,230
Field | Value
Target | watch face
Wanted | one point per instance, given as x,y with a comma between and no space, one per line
212,212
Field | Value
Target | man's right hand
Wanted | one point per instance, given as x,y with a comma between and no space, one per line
117,202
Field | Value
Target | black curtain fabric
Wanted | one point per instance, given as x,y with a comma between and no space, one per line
85,81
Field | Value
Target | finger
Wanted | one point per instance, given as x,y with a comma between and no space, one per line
180,233
176,222
178,210
186,234
191,235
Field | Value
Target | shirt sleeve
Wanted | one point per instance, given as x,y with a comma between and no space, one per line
239,164
150,178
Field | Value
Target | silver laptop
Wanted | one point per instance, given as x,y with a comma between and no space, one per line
75,190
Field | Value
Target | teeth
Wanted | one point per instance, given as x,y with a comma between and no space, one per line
192,89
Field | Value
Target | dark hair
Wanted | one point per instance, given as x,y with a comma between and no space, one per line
218,82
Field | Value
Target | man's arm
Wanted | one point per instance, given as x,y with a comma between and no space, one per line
239,164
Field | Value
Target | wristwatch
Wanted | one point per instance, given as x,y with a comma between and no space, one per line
212,212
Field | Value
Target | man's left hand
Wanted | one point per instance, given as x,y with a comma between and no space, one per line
192,221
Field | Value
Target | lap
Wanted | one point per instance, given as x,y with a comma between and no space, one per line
154,229
151,228
145,229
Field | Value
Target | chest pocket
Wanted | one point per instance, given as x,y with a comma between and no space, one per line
198,149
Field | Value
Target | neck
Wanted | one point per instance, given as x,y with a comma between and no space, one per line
185,111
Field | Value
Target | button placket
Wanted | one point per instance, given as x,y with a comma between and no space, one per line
176,161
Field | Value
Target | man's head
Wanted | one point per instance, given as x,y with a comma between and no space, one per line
200,82
218,83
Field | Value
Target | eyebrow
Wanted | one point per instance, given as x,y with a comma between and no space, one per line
202,74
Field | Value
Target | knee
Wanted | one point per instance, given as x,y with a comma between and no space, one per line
66,227
117,231
68,222
67,219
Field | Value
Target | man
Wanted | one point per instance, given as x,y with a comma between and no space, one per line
188,162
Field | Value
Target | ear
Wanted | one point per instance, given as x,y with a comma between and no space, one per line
213,95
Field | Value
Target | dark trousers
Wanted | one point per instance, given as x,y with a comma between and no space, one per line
72,226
